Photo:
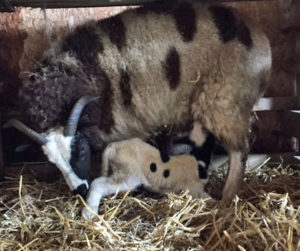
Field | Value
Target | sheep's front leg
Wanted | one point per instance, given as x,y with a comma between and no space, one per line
102,187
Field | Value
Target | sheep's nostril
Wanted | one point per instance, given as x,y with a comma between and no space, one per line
81,190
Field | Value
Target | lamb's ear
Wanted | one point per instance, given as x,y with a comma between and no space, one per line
71,127
37,137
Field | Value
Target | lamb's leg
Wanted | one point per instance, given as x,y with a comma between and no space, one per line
102,187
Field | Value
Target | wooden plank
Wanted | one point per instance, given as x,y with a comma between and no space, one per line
291,124
1,154
84,3
276,104
297,87
256,160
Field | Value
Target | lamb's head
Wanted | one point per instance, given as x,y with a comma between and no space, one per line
65,147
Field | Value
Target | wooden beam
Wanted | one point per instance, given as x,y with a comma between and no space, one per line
291,123
85,3
1,153
297,87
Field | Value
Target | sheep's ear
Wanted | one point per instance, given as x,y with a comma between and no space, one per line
164,157
22,148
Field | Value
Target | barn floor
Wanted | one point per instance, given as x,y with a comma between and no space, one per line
266,216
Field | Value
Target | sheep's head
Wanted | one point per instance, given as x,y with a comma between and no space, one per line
65,147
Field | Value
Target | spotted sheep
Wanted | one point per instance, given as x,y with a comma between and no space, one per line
190,66
132,163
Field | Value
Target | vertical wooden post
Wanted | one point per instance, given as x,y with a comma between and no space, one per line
298,73
298,85
1,153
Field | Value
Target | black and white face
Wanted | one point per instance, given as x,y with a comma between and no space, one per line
65,148
80,162
71,155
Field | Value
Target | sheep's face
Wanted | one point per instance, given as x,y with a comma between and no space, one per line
65,147
71,154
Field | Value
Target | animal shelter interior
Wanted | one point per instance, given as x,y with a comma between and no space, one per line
150,125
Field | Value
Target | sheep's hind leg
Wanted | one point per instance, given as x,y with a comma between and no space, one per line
102,187
235,173
231,130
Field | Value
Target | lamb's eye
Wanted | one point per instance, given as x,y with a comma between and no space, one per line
153,167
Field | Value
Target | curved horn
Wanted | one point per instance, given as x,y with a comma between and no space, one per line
37,137
71,127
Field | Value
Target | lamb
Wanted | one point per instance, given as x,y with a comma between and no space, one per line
132,163
190,66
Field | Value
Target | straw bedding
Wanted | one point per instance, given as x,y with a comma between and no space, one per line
266,215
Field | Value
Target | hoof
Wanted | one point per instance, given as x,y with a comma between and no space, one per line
87,214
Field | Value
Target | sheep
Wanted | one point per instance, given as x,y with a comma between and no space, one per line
185,65
132,163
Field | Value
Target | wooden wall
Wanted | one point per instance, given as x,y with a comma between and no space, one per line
26,33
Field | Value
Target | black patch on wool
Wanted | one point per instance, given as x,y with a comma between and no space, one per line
204,152
162,142
61,86
171,68
185,18
183,14
100,112
229,26
225,21
244,35
166,173
125,88
48,102
85,43
153,167
115,29
202,172
106,121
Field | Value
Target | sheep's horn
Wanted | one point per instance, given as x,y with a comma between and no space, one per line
71,127
37,137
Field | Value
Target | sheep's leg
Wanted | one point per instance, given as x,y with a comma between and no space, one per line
231,130
102,187
203,144
204,153
235,173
